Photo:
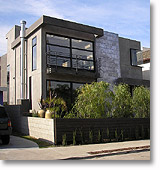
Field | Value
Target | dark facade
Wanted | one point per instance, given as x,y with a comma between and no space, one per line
62,55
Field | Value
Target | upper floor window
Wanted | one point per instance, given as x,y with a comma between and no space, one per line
34,53
8,82
69,52
134,61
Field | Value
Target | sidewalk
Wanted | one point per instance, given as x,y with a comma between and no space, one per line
80,152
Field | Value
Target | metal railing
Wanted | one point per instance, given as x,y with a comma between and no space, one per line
53,57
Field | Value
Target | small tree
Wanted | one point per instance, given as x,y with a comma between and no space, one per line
93,101
141,102
121,105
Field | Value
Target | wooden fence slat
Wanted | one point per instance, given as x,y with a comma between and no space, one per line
128,125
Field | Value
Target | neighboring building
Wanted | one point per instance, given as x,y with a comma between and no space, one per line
3,79
146,63
61,55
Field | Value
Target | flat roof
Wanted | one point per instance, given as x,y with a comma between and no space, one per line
47,20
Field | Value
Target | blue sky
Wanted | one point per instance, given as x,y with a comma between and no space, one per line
128,18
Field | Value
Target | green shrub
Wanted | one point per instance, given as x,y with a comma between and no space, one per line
64,140
116,135
90,136
142,132
137,132
34,113
81,135
122,135
74,137
141,102
56,105
93,101
108,136
121,105
99,137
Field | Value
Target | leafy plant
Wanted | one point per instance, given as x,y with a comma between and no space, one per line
64,140
137,132
93,101
56,105
34,113
108,136
116,135
74,137
99,136
122,135
90,136
142,132
121,105
141,102
81,135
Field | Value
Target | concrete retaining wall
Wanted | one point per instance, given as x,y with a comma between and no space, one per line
38,127
33,126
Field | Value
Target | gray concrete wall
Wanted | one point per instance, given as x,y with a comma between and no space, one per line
127,70
33,126
13,59
35,75
40,128
108,57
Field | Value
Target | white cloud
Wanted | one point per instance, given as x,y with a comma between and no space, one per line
41,7
127,18
30,7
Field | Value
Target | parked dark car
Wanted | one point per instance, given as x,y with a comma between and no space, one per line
5,126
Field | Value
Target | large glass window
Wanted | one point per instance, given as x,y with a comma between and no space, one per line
60,89
34,53
69,52
80,44
134,61
57,40
65,90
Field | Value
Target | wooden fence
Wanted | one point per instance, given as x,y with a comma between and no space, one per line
101,130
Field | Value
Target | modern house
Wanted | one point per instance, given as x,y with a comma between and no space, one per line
60,56
146,63
3,79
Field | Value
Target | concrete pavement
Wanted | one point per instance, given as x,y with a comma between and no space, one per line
18,143
80,152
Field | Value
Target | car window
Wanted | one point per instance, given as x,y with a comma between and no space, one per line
2,112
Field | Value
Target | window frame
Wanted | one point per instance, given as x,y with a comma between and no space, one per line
71,53
63,81
131,57
34,58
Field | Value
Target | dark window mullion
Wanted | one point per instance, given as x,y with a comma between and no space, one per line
58,56
94,58
71,51
82,49
82,59
58,45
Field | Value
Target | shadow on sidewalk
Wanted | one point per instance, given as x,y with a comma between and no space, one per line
103,155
